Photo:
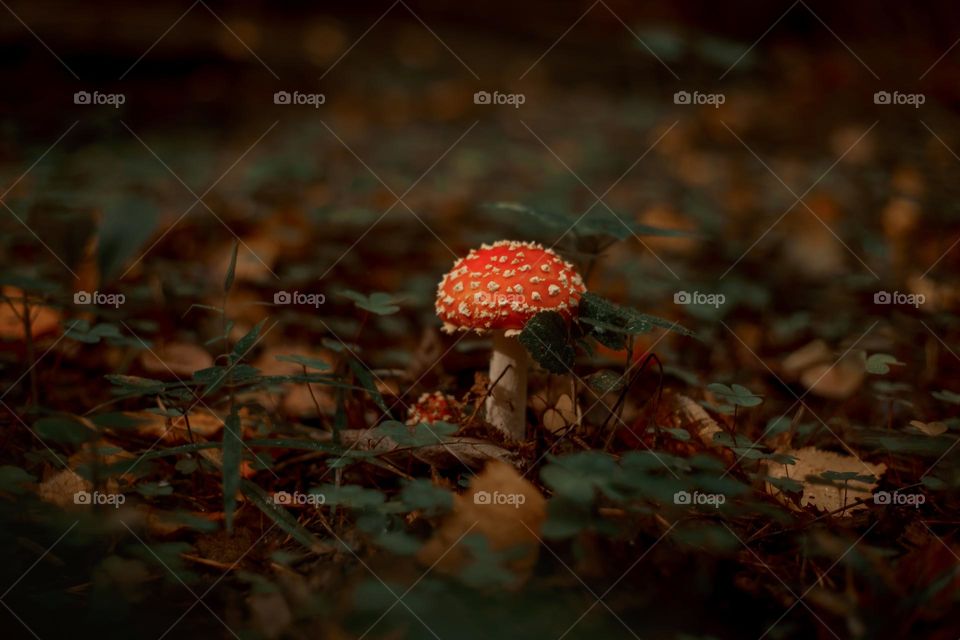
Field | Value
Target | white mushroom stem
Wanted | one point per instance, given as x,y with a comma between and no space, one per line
507,403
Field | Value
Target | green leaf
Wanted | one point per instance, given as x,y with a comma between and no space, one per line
423,495
566,518
232,457
879,363
366,379
725,53
232,269
246,343
350,495
578,476
119,421
135,384
152,489
844,476
167,556
547,339
186,466
678,434
666,44
282,517
126,226
776,426
310,363
382,304
947,396
418,436
601,223
64,430
29,284
398,543
610,323
786,484
737,395
13,478
606,381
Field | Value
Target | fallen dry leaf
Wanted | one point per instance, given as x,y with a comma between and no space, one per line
491,507
694,415
59,488
256,257
929,428
43,320
560,415
298,401
835,381
815,365
813,462
203,423
810,354
175,359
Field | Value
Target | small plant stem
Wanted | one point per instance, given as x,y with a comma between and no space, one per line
186,421
31,350
733,429
312,395
623,396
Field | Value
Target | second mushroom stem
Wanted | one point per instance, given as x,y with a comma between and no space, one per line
507,403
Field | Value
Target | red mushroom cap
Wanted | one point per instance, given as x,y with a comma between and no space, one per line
501,286
434,407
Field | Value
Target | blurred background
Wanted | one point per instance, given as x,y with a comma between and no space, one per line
796,157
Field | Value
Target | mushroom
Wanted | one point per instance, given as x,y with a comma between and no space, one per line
497,289
434,407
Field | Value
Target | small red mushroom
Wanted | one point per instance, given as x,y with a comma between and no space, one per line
497,289
434,407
